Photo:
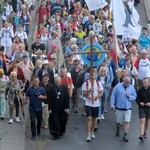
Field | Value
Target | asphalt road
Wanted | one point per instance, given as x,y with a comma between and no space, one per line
75,137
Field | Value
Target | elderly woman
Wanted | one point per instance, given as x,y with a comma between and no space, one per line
104,79
14,67
27,67
37,68
13,96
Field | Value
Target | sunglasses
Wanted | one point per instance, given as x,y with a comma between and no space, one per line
53,58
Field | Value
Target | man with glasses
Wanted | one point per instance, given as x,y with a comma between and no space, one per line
121,101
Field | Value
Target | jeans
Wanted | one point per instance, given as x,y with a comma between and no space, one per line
102,105
35,130
45,115
11,109
2,105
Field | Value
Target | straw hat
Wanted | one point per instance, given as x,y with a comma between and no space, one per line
1,71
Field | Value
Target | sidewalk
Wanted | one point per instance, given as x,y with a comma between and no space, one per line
12,136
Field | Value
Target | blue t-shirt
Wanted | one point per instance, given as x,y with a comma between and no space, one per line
35,104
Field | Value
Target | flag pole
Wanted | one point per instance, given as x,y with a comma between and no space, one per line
114,38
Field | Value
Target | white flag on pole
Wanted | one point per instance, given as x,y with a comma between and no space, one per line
95,4
126,18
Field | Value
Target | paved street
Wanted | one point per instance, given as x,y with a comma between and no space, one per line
12,137
75,137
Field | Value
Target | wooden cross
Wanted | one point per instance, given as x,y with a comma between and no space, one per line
91,54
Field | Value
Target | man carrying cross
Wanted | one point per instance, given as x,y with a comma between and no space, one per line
92,91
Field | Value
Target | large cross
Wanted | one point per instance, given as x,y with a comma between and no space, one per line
91,52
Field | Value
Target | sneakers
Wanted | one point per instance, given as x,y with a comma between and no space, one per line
88,139
125,139
75,110
99,120
102,117
45,127
33,138
96,129
141,138
145,135
2,118
92,135
17,119
10,121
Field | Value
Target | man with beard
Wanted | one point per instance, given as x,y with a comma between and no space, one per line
58,108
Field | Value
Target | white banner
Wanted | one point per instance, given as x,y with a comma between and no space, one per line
95,4
126,19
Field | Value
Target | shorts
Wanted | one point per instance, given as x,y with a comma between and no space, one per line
144,113
92,111
123,116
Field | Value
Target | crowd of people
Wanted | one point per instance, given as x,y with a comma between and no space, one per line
53,79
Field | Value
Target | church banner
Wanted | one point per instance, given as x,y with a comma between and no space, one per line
95,4
126,18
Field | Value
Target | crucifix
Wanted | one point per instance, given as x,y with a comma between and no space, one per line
91,53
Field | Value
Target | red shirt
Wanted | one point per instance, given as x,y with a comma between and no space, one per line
43,11
20,75
66,81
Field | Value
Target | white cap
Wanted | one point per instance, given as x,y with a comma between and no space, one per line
144,51
45,62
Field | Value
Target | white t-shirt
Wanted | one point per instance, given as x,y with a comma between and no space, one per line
97,88
7,10
144,68
43,39
131,70
22,35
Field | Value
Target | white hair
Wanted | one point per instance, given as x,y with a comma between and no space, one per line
144,51
13,73
73,40
74,46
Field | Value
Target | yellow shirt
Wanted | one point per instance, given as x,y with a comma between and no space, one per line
80,35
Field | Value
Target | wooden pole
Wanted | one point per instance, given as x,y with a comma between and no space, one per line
91,53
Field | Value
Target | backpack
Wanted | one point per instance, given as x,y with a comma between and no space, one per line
80,78
124,67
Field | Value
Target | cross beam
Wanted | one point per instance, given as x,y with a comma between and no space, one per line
91,52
